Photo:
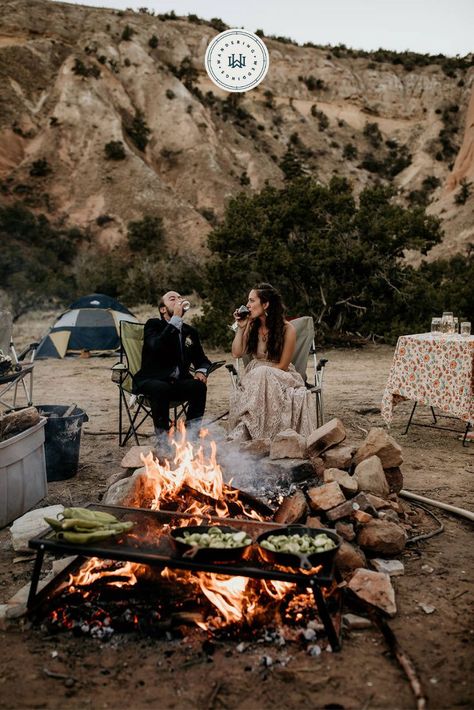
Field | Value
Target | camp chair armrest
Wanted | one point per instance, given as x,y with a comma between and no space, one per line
31,348
232,370
119,372
322,363
214,366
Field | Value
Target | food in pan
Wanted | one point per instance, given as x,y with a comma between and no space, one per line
216,538
298,544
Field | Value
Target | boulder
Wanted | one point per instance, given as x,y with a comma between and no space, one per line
348,484
123,492
326,496
377,502
345,530
374,588
132,458
313,521
345,510
257,447
118,476
330,434
394,568
349,557
394,478
291,509
286,471
383,537
318,465
380,443
288,444
30,525
339,456
370,476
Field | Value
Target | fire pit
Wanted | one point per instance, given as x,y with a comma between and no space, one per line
149,544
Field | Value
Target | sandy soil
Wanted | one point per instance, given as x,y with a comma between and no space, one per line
179,673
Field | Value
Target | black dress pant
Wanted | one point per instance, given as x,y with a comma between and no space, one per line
162,392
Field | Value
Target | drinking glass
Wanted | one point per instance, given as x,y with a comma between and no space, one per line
465,328
447,322
436,325
455,325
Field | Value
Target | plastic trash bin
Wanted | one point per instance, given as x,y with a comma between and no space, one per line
62,440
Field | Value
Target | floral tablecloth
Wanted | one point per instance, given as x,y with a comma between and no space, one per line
436,370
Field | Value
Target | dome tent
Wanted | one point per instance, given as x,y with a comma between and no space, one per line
91,323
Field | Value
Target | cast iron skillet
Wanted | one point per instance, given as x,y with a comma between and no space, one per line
292,559
207,554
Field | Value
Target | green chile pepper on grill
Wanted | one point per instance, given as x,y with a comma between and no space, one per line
81,526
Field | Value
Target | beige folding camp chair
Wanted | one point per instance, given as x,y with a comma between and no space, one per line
136,406
305,349
21,373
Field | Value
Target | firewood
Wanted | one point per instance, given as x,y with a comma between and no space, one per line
16,422
291,509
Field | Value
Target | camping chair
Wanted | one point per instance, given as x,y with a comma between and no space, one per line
136,406
305,348
21,372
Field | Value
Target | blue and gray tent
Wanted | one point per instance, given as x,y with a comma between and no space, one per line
91,323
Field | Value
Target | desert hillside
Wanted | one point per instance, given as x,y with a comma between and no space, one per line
76,79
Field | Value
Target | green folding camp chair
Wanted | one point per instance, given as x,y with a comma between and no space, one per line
305,349
137,407
21,372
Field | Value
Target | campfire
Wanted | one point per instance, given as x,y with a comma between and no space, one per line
103,595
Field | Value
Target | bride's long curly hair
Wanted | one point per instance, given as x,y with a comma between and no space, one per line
275,322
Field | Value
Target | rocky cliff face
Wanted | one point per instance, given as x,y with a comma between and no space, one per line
75,79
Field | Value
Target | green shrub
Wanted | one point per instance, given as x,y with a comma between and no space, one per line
153,42
115,150
170,94
372,133
40,168
336,259
127,33
350,151
138,131
81,69
460,198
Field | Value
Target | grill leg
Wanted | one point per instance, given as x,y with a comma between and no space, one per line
323,611
35,577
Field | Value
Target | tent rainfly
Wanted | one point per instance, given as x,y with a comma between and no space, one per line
91,323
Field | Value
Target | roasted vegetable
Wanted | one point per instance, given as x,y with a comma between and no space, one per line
216,538
81,525
298,544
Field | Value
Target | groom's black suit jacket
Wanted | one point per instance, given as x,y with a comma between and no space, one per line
165,348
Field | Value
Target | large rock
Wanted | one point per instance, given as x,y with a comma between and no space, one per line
318,465
370,477
132,458
330,434
380,443
349,558
394,568
346,509
345,530
257,447
348,484
339,456
288,444
123,492
30,525
292,509
394,478
374,588
327,496
383,537
285,471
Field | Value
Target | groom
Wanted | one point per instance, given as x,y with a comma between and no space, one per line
170,346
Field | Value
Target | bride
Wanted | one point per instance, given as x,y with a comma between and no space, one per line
272,396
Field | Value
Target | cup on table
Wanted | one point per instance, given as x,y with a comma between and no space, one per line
447,322
436,325
465,328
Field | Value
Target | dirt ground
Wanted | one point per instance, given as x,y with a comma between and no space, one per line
144,672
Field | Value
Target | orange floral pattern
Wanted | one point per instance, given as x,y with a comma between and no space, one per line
436,370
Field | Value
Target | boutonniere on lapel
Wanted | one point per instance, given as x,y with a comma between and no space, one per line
188,342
